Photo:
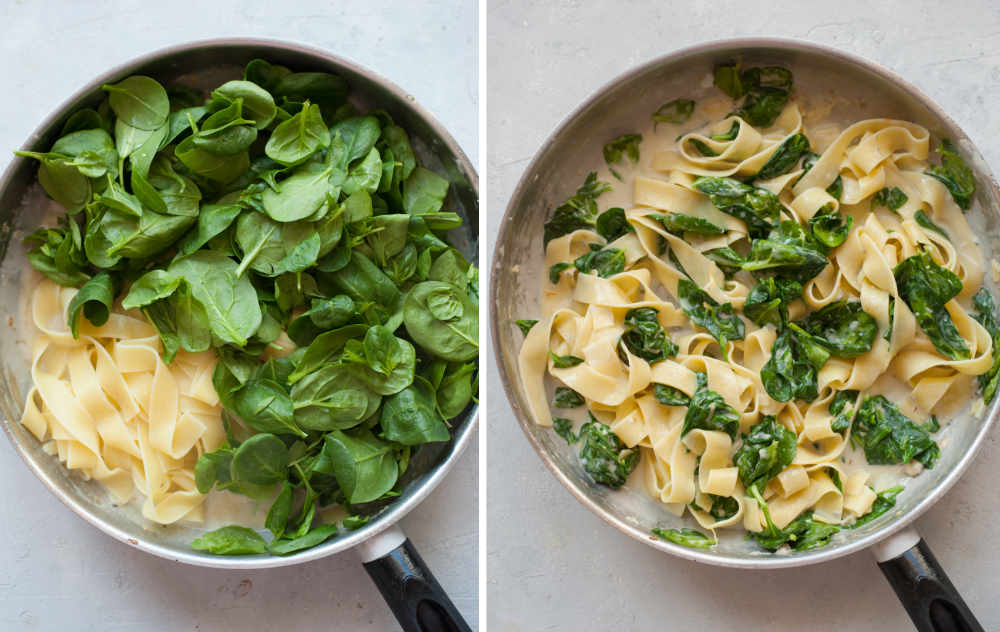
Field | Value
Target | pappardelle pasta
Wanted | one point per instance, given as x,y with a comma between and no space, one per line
782,311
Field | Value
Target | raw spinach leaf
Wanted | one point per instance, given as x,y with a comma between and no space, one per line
363,465
785,157
298,138
95,299
139,101
58,253
424,192
410,416
767,450
891,198
788,252
768,301
313,537
260,460
258,104
384,362
455,391
281,509
443,321
266,406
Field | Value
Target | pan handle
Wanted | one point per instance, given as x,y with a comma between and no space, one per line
408,586
922,586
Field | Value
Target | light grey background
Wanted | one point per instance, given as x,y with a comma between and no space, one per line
59,573
553,565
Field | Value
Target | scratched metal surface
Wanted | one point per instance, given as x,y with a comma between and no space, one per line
552,564
58,572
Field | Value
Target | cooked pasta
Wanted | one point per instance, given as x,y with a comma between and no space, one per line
699,334
111,410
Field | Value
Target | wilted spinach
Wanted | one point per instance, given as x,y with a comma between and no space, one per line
889,437
645,337
954,174
891,198
986,311
785,157
707,410
927,287
577,212
626,145
673,112
757,207
765,91
721,321
788,252
603,455
690,538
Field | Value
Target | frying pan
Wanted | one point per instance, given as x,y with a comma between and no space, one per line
414,596
860,89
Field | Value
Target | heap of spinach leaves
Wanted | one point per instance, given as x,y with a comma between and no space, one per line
274,206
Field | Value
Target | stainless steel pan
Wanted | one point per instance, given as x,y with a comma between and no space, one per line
408,586
574,148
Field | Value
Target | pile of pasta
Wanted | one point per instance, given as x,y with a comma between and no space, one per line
583,315
112,411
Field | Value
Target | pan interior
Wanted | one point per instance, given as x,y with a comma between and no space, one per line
24,206
856,90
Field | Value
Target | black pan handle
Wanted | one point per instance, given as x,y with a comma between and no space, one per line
409,587
922,586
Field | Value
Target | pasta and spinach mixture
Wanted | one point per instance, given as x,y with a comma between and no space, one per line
784,309
250,293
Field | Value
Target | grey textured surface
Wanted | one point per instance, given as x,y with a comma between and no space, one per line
56,571
551,564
